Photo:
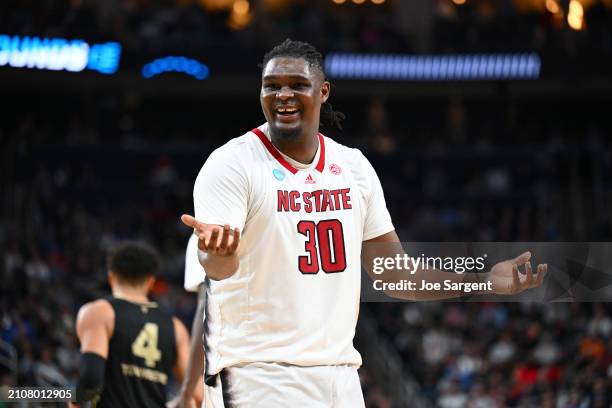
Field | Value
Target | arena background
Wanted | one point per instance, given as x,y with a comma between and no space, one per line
111,152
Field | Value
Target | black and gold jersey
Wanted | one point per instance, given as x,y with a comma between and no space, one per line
141,355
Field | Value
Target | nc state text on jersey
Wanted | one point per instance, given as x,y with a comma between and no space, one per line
317,201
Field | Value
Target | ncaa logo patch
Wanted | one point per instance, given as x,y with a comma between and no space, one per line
335,169
279,174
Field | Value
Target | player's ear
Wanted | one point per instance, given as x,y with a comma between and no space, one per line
325,90
149,283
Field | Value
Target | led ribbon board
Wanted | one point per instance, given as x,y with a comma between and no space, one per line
184,65
452,67
58,54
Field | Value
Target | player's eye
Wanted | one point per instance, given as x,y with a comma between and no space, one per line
301,86
271,87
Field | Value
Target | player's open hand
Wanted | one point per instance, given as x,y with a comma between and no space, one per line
507,280
214,239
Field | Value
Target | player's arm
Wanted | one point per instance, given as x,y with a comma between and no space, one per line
382,241
94,327
182,349
504,275
192,389
217,247
182,369
220,200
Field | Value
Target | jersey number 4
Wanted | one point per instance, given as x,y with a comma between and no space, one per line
145,345
324,241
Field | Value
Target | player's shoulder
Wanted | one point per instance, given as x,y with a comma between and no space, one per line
240,147
349,155
95,312
232,160
101,305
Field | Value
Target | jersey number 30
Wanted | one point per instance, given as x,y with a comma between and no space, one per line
325,241
145,345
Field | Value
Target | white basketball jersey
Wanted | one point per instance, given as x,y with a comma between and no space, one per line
194,273
295,296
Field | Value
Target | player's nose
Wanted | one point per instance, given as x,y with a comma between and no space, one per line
284,93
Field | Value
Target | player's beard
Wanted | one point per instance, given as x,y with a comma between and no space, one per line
285,134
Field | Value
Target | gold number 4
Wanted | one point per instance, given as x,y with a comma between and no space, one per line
145,345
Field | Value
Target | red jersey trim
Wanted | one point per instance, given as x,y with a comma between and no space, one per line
279,157
321,164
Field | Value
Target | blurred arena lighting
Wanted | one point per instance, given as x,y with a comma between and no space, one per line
450,67
240,17
552,6
575,15
183,65
359,1
58,54
216,5
459,2
241,7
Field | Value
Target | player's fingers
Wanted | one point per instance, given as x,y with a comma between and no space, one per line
529,274
225,238
516,283
236,241
202,240
189,221
212,242
522,258
542,268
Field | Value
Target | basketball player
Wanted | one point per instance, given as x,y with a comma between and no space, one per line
129,346
281,213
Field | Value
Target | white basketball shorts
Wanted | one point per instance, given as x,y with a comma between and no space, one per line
273,385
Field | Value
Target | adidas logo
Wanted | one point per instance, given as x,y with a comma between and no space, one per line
309,180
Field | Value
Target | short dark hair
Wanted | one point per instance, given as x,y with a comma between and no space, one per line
296,49
299,49
133,262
